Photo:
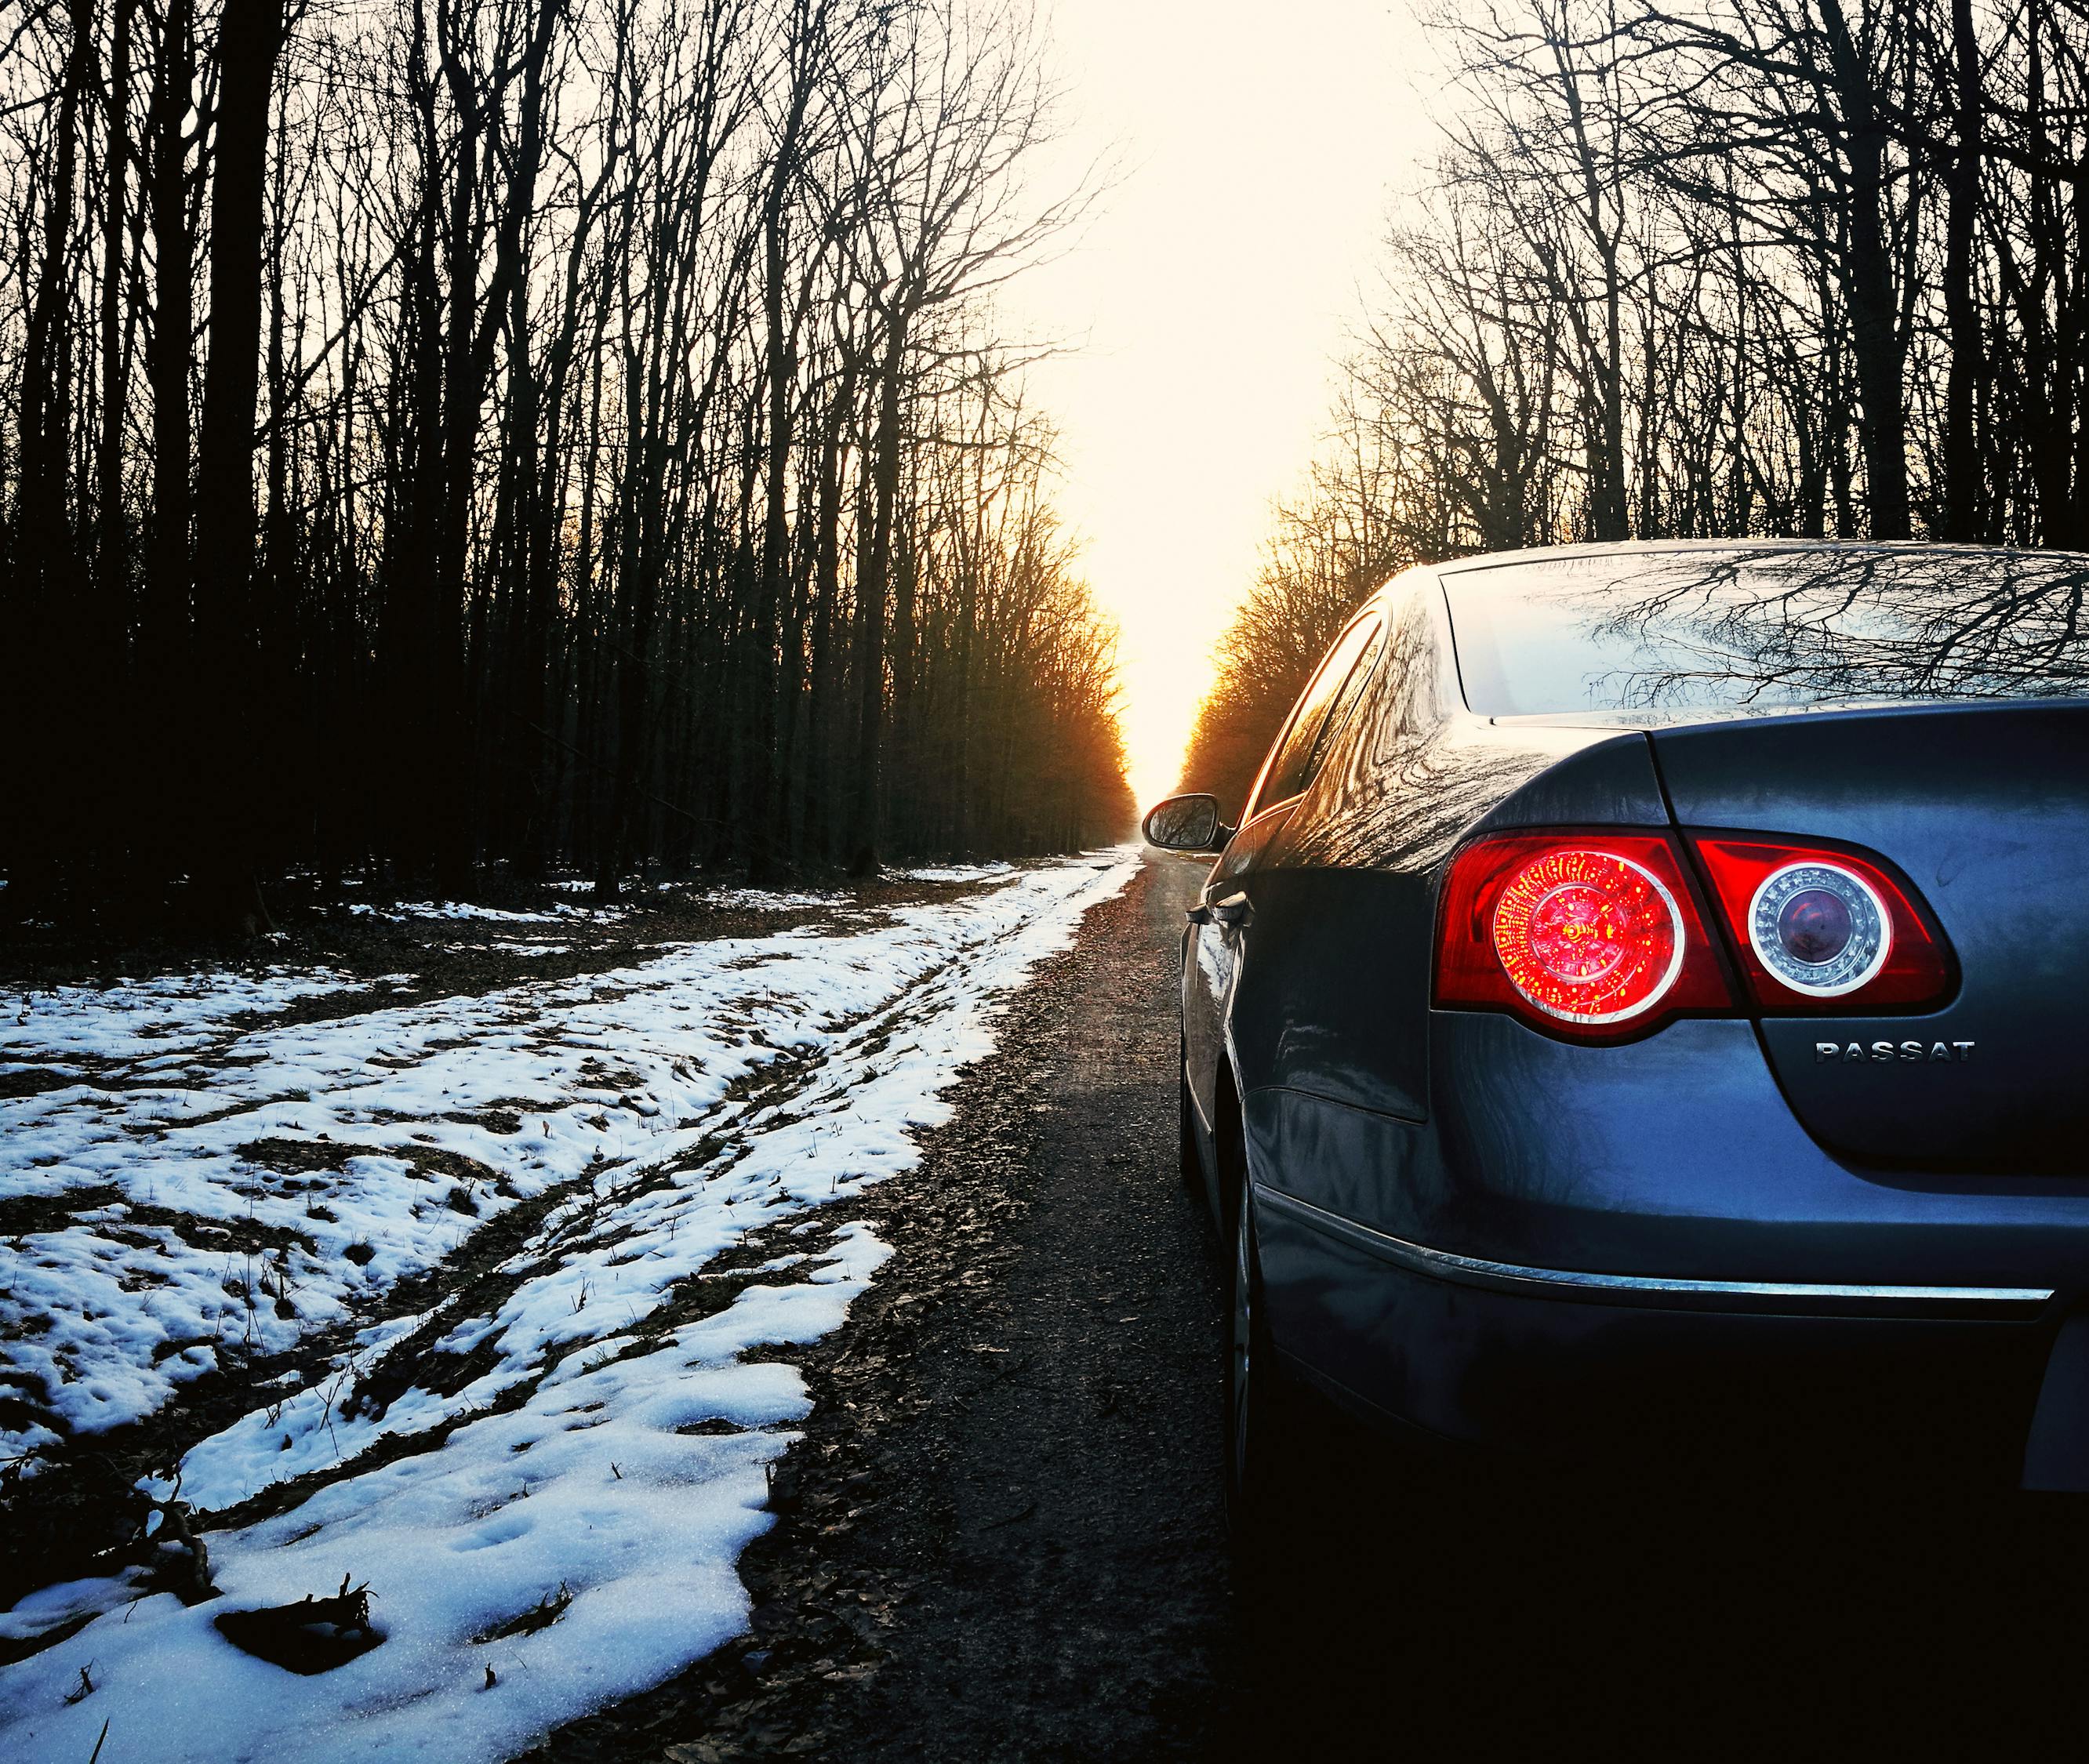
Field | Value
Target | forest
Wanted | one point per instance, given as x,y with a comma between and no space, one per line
452,439
1811,268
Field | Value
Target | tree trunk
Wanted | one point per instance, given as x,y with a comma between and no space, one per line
1875,332
111,550
871,590
768,817
251,38
1962,459
163,651
51,828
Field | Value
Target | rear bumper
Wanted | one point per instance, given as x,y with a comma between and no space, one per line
1676,1293
1582,1246
1910,1380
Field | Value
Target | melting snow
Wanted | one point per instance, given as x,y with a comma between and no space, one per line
556,911
613,1443
958,872
770,899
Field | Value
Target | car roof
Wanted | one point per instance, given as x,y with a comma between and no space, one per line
1489,560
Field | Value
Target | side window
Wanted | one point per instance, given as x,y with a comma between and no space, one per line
1322,705
1344,702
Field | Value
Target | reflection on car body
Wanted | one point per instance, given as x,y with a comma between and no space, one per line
1551,1071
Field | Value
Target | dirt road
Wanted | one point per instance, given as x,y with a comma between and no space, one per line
1001,1536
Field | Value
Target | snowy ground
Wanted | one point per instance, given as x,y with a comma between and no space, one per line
551,1472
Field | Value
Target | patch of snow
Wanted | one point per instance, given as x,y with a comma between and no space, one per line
770,899
957,872
557,910
587,1482
134,1018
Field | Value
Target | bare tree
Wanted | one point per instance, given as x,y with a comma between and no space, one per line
590,392
1804,267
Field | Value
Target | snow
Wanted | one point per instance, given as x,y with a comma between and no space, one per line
719,1089
958,872
771,900
553,914
133,1019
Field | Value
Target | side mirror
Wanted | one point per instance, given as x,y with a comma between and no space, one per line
1186,823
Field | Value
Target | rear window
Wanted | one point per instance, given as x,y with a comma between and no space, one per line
1719,629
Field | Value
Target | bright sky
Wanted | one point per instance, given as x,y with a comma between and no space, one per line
1261,142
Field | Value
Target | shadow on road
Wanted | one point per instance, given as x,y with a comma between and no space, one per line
1395,1614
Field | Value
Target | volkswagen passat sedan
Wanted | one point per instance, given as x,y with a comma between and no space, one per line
1646,998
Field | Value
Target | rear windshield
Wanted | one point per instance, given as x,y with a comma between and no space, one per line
1708,630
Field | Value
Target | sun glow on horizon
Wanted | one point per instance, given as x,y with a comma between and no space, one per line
1208,299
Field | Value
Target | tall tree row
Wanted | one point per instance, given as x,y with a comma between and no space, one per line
1723,267
438,434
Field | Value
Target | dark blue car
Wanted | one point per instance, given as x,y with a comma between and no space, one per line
1646,1000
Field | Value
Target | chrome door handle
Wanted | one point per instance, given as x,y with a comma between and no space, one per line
1234,909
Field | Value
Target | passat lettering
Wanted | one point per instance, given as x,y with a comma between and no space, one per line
1880,1052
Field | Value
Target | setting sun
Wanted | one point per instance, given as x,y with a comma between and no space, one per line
1258,153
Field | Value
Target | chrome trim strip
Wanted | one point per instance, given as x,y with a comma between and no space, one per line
1663,1292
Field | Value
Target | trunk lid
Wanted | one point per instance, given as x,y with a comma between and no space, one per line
1985,809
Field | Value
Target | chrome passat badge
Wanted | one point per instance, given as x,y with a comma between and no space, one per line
1851,1053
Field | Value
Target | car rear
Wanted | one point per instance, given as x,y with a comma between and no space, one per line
1764,1123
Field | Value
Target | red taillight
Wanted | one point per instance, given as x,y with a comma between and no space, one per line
1592,935
1821,930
